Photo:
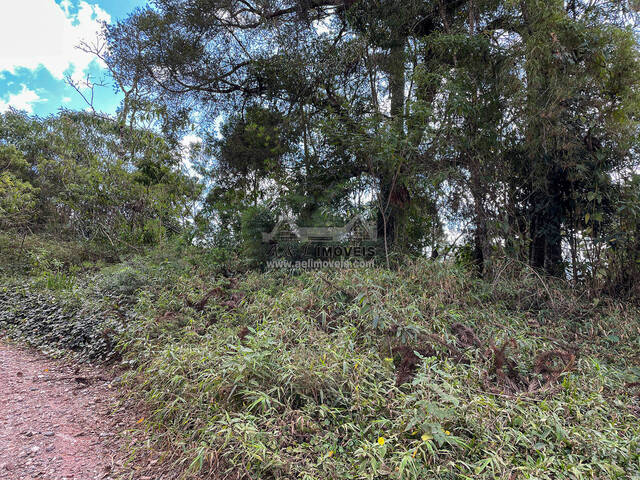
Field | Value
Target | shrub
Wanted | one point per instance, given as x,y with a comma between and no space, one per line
57,324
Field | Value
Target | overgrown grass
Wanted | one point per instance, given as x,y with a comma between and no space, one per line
297,376
423,373
40,254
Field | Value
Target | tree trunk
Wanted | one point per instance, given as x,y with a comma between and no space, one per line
546,227
481,250
537,251
393,193
554,219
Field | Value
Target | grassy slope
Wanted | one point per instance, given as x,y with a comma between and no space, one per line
282,376
285,376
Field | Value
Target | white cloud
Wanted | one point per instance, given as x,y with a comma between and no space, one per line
37,33
21,101
65,5
66,99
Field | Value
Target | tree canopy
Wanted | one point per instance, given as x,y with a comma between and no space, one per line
488,128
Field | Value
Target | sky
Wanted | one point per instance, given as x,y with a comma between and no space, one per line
38,40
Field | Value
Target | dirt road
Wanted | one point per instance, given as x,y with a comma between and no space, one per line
56,419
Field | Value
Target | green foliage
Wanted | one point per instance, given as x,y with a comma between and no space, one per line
84,177
122,280
514,121
295,376
255,221
253,143
354,373
502,117
17,195
620,272
35,255
57,325
58,280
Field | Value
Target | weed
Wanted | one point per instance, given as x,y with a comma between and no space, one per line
366,374
304,375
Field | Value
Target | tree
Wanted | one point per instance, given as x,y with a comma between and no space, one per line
73,179
17,195
580,114
310,61
512,116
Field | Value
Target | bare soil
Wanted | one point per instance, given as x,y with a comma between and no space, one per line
57,419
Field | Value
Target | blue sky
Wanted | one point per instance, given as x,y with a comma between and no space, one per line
37,50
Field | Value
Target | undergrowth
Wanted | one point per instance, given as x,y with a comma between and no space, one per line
427,372
58,324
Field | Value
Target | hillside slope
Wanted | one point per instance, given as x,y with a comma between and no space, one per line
417,374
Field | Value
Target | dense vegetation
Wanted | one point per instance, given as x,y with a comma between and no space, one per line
428,373
371,374
515,122
85,178
493,143
480,127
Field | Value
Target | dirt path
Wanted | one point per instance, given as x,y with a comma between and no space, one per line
55,419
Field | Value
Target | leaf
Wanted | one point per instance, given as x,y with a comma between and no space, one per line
481,466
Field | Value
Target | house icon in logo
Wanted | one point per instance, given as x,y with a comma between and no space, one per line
356,230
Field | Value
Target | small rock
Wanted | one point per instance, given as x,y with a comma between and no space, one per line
48,434
35,449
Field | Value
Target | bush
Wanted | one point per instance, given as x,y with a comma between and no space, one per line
122,280
255,221
361,374
58,324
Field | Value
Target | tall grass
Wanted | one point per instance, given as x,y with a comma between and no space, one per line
296,376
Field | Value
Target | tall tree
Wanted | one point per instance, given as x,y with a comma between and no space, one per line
580,113
310,60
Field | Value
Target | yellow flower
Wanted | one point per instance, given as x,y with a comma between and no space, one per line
426,437
330,453
381,441
141,420
388,359
415,452
447,432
